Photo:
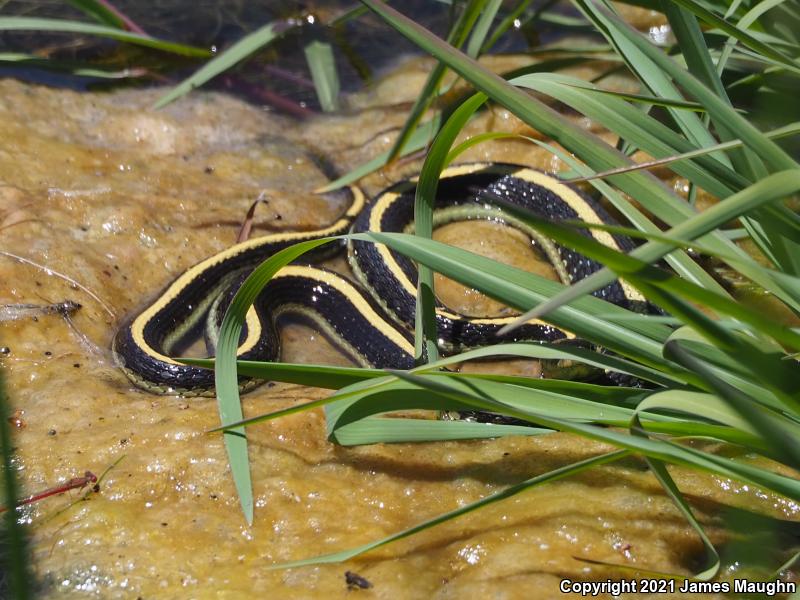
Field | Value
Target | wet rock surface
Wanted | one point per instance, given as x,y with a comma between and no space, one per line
103,202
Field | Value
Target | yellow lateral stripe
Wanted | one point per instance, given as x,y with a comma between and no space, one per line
585,213
383,202
254,329
356,299
253,336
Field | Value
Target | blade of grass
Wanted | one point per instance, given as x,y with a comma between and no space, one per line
648,72
226,380
481,29
724,117
666,290
594,151
775,187
321,63
700,404
632,268
783,283
16,562
515,286
100,13
509,21
660,471
383,430
74,67
785,131
662,450
62,26
108,14
425,334
227,59
781,440
769,237
643,131
680,261
408,393
457,36
735,32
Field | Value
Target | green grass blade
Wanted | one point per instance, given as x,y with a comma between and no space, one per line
791,129
517,287
635,270
457,36
321,376
768,368
644,132
481,29
239,51
227,383
735,32
660,471
699,404
556,352
440,393
382,430
321,63
728,121
661,450
775,187
62,26
780,438
651,100
506,23
15,561
778,283
692,45
643,66
666,290
325,376
734,372
588,147
77,68
530,110
357,380
679,261
99,12
772,240
425,338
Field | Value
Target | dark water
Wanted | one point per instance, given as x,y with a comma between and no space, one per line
363,47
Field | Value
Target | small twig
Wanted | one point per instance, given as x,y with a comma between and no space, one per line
788,130
268,97
247,224
130,25
289,76
66,278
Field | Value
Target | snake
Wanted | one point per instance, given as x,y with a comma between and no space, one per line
370,317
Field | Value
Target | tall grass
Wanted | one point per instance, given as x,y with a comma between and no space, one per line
733,377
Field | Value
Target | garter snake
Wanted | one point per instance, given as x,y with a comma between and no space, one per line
371,321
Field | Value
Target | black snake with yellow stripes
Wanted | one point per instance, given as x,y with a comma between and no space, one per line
370,321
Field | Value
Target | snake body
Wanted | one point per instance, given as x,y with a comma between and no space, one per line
370,320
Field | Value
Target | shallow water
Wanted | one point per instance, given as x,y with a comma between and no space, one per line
122,199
